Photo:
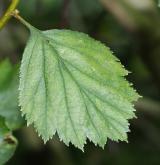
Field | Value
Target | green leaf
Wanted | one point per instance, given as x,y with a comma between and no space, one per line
8,143
73,85
9,95
6,71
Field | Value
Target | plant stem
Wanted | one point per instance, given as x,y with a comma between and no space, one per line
7,15
15,14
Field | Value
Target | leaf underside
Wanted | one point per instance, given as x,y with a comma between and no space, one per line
73,85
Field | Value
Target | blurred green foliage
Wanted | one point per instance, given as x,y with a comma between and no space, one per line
132,29
9,95
8,143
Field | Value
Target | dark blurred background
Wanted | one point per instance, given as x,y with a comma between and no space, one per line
131,28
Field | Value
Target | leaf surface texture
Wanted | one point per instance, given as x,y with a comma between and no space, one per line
73,85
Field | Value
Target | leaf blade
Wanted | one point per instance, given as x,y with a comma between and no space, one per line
79,95
8,143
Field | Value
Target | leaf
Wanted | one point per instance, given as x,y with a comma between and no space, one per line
8,143
9,95
73,85
6,70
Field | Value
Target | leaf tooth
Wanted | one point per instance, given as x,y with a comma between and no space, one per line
81,147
